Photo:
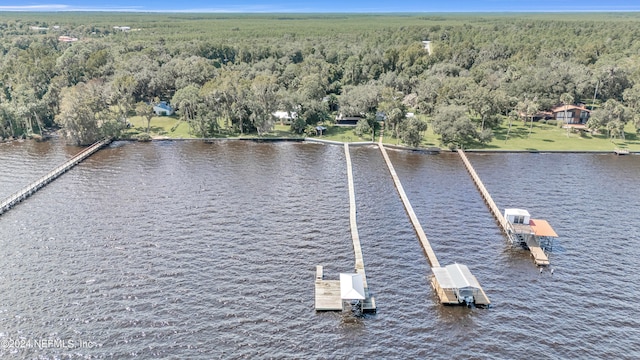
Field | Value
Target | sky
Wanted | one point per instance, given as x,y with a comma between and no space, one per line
331,6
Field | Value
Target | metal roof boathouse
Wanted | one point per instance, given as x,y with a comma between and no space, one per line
455,285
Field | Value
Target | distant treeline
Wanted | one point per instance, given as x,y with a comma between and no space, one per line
230,73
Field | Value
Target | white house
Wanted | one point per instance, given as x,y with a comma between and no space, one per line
163,109
284,116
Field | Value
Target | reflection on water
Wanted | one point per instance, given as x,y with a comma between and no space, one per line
208,250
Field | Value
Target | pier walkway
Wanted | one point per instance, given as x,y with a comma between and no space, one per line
328,291
539,256
431,256
18,196
454,284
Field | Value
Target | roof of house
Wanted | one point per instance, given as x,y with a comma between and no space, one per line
285,115
520,212
164,106
568,107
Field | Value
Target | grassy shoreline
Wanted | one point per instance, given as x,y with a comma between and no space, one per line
540,138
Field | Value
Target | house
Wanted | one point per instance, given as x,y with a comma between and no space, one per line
285,117
163,109
122,28
67,39
342,120
426,44
574,114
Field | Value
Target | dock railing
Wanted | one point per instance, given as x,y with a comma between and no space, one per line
34,186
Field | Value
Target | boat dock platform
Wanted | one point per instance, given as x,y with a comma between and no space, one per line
454,284
328,296
521,232
30,189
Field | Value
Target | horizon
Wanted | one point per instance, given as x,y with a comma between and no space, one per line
330,6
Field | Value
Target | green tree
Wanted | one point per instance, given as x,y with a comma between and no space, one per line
145,111
612,116
186,101
410,131
122,89
84,115
453,125
362,128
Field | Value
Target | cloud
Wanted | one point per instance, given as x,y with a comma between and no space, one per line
48,7
63,7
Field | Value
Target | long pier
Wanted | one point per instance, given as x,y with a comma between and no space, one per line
539,256
30,189
328,291
431,256
454,284
504,224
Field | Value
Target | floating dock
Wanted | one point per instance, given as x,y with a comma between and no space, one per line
518,229
30,189
328,295
454,284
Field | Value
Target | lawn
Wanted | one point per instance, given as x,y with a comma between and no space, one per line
543,137
161,127
546,137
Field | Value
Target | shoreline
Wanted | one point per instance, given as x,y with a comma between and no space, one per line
432,149
389,146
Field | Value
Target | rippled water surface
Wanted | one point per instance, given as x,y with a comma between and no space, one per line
208,250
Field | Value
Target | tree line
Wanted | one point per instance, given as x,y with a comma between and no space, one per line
229,73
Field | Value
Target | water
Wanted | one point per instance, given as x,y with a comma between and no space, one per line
208,250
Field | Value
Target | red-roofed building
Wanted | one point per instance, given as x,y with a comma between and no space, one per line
574,114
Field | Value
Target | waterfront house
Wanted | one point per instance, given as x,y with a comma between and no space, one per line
571,114
163,109
285,117
347,120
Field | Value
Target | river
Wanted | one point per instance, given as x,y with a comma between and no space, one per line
189,249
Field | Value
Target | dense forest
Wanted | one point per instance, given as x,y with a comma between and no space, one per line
230,73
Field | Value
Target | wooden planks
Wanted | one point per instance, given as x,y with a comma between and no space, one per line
539,257
431,255
369,304
17,197
328,291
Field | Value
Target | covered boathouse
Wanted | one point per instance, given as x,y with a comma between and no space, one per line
533,234
455,285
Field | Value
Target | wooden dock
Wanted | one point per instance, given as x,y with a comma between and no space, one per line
328,291
539,257
446,295
431,256
18,196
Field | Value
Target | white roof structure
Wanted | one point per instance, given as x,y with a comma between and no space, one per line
285,115
351,287
456,276
518,212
